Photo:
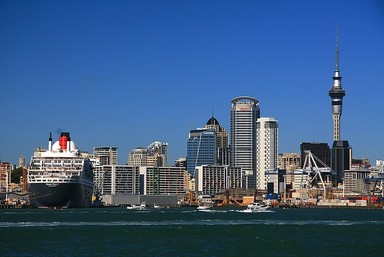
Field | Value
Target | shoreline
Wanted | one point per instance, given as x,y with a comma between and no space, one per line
281,206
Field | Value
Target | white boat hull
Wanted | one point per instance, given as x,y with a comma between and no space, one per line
257,207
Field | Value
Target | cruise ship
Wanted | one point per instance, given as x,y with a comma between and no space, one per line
60,177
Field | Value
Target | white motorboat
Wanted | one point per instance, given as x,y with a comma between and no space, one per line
204,202
203,207
142,206
257,207
133,207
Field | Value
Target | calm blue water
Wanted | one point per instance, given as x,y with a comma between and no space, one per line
188,232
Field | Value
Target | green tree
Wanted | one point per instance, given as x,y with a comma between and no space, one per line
16,174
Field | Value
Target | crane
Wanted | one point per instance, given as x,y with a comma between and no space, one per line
312,171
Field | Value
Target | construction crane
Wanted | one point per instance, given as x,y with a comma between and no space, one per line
312,170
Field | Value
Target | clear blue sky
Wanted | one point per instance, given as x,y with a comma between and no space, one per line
127,73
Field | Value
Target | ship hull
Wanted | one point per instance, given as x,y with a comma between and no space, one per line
60,195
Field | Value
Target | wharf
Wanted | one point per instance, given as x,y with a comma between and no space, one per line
13,205
8,206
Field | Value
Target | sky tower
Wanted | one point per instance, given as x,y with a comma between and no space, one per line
337,93
341,153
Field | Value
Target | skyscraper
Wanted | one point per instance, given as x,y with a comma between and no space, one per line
266,151
201,148
159,151
341,158
320,150
156,155
244,114
221,141
138,157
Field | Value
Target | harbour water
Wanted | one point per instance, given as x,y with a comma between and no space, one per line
188,232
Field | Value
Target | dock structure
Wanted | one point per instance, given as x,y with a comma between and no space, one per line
8,206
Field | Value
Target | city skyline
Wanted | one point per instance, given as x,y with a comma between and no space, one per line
126,74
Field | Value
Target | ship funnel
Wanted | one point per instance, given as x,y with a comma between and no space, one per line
63,140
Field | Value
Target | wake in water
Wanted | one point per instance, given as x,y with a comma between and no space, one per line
186,217
189,232
204,222
213,211
253,211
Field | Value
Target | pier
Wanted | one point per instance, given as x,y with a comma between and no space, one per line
8,206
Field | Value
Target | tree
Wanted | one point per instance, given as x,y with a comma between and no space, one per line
16,174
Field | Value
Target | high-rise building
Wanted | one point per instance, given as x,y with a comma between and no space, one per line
289,161
201,148
159,151
155,155
106,154
5,176
138,157
244,113
21,161
341,158
221,141
320,150
181,162
266,151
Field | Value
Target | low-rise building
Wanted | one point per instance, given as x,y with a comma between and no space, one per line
355,181
164,180
116,179
213,179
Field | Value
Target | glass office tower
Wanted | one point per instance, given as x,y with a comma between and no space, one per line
201,148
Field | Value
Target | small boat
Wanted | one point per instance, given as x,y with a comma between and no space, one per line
203,207
142,206
257,207
204,202
133,207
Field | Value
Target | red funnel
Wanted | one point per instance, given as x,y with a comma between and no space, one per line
63,141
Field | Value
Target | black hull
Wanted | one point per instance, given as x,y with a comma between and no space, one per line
62,195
